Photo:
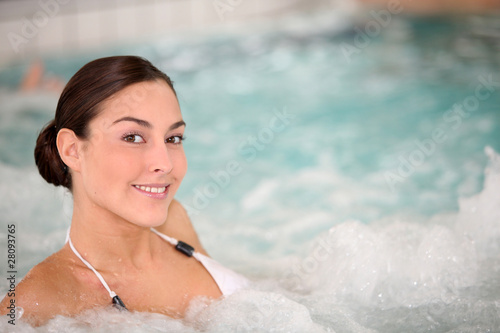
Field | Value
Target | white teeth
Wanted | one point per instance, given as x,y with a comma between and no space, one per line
152,189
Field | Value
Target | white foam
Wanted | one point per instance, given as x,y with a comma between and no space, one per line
436,272
400,263
39,211
252,311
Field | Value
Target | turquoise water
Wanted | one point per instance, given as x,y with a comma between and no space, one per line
333,182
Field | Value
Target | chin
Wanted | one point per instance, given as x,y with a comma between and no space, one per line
147,224
151,222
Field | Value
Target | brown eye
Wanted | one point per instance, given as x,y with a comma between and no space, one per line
177,139
133,138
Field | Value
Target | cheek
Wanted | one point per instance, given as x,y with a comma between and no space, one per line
180,163
109,165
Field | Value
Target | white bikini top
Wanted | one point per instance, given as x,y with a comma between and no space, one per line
227,280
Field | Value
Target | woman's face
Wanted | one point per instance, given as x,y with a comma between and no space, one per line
133,160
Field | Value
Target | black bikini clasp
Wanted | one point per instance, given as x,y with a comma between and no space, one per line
118,303
184,248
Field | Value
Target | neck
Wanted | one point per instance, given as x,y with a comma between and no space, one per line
109,242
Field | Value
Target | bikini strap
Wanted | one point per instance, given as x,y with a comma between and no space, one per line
180,246
116,300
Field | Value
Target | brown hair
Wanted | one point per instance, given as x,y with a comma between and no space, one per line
80,102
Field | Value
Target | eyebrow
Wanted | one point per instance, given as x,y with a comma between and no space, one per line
147,124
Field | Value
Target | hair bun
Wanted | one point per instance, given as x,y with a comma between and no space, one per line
47,158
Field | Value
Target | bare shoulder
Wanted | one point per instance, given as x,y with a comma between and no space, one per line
179,226
40,292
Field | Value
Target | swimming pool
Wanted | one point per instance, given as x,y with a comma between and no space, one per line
346,179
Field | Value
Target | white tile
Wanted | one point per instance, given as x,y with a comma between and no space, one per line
146,19
70,32
162,16
126,23
174,15
50,37
89,29
204,13
108,25
14,42
81,24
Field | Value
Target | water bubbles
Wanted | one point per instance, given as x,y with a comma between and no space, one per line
19,312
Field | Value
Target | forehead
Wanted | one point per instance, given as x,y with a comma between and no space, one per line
151,100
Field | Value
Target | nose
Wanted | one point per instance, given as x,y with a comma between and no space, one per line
161,161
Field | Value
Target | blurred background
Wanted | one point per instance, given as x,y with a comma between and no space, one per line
374,122
34,28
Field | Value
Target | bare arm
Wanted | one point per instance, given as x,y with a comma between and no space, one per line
35,295
46,291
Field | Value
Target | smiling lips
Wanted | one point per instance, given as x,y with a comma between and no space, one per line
158,192
151,189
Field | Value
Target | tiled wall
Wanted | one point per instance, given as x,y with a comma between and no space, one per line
30,28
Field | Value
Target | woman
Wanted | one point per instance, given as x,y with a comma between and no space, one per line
116,144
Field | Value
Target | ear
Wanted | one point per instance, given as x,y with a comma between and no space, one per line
68,145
